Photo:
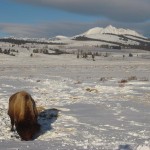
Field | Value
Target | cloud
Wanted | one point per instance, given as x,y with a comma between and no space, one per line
40,30
117,10
51,29
20,30
132,14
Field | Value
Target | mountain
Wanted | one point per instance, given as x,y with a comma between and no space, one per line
112,36
111,30
96,37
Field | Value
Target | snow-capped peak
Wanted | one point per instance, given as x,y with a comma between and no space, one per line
111,30
96,30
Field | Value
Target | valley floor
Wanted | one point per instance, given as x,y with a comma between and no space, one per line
103,104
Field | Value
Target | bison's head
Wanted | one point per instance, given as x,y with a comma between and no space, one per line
28,132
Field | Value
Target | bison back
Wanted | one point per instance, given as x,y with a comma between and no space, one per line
22,107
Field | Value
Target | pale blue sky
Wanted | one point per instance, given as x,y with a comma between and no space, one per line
38,18
13,12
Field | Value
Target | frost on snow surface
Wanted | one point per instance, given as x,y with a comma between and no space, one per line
84,104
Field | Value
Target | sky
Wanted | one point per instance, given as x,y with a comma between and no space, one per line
49,18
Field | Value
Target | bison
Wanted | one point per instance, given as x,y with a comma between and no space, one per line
23,114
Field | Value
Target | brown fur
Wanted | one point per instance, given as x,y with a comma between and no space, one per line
23,114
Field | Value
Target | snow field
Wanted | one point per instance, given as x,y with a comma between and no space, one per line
92,114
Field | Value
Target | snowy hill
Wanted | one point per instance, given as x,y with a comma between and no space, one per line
96,37
111,30
59,37
111,36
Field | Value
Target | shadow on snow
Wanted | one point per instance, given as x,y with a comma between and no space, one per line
45,119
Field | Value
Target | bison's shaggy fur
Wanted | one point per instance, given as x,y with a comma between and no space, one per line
23,114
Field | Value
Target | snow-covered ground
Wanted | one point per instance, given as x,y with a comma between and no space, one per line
96,109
